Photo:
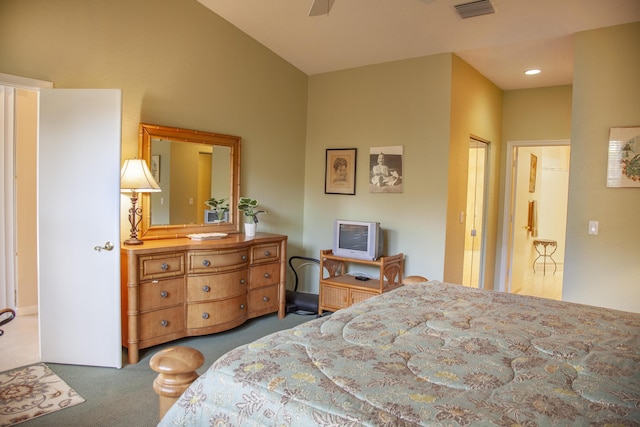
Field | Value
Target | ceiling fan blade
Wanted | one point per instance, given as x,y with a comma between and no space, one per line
320,7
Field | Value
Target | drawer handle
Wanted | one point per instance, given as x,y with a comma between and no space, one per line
242,281
164,266
164,294
267,253
155,282
205,288
267,275
206,263
164,323
244,257
265,299
205,315
241,306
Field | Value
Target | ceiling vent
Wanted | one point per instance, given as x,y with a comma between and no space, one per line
474,8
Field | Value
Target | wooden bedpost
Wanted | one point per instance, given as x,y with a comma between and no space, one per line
176,367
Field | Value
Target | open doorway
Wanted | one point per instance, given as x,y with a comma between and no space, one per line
474,241
534,226
18,287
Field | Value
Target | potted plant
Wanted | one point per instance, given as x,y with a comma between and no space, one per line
217,206
249,207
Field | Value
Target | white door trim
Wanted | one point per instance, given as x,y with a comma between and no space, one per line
7,172
507,227
24,82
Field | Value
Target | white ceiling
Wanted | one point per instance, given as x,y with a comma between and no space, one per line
521,34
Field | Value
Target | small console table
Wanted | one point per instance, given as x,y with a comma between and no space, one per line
542,253
340,290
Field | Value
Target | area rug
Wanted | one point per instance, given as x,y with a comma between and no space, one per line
32,391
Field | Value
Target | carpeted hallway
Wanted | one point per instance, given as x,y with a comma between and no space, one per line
125,397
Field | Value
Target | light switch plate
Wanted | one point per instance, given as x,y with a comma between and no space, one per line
593,227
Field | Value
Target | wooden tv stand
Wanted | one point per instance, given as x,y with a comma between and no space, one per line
340,290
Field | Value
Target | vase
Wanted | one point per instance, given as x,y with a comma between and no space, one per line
250,229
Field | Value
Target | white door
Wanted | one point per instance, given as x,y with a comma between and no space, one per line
78,210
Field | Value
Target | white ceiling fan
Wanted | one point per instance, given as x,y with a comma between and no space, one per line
322,7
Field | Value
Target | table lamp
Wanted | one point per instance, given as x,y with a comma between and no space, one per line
135,177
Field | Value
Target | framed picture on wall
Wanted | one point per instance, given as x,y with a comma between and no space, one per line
385,169
155,167
340,171
533,172
623,166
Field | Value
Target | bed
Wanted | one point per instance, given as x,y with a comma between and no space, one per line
430,354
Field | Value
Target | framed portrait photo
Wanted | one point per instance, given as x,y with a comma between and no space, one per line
340,171
385,169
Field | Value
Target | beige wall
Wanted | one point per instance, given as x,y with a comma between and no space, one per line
400,103
476,110
536,114
603,269
181,65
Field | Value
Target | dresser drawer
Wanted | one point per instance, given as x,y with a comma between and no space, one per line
161,293
264,275
264,300
161,322
216,286
217,261
162,265
268,252
201,315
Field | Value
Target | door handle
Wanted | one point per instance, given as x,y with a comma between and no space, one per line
107,247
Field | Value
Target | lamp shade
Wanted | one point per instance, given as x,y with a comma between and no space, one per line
136,176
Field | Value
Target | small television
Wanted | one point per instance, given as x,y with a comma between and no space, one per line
357,239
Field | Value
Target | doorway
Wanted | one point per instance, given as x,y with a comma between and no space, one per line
18,286
477,178
534,224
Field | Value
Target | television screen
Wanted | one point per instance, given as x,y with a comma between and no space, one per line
357,239
353,237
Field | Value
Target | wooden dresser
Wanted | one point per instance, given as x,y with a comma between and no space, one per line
173,288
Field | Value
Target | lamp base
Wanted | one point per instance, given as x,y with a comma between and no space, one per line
133,241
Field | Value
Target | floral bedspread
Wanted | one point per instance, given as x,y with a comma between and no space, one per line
430,354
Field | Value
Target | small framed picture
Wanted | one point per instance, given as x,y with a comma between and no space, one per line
385,169
155,167
623,168
340,171
533,173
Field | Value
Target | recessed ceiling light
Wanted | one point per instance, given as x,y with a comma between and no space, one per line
532,72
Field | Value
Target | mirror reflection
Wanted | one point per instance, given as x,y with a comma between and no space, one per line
191,167
189,174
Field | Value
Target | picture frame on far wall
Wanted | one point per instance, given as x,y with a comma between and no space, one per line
623,166
340,171
386,169
155,167
533,173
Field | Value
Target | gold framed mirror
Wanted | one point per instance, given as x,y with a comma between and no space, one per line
191,167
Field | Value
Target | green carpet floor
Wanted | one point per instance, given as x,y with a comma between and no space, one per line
125,397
